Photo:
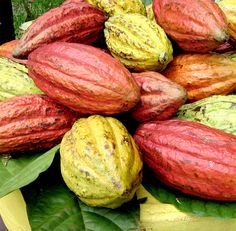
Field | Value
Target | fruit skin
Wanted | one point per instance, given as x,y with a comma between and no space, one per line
229,9
196,25
84,78
32,122
216,111
139,43
191,157
14,80
160,97
71,22
203,75
114,7
100,162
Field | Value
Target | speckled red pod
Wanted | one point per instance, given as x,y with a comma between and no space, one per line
32,122
196,25
203,75
160,97
71,22
84,78
191,157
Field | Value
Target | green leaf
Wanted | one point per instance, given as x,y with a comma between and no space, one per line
185,203
18,172
147,2
55,208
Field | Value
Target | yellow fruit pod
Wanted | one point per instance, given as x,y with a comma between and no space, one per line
100,162
113,7
157,216
139,43
229,9
150,13
14,80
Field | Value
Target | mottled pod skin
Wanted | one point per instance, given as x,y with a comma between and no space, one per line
32,122
114,7
203,75
72,22
139,43
196,25
218,111
84,78
191,157
100,162
14,80
229,9
160,97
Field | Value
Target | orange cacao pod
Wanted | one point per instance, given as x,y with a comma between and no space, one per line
196,25
160,97
84,78
32,122
203,75
191,157
71,22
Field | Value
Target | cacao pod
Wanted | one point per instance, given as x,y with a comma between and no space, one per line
225,48
84,78
32,122
72,22
191,157
217,111
150,13
6,51
14,80
196,25
139,43
114,7
160,97
229,9
203,75
100,162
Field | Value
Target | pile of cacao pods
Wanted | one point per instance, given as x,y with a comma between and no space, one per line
84,72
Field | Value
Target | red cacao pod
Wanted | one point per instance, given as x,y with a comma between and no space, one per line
84,78
160,97
203,75
71,22
191,157
32,122
196,25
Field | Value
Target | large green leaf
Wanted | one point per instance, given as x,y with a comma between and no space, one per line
55,208
18,172
187,203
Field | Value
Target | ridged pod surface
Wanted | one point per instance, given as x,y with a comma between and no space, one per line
196,25
14,80
229,9
139,43
217,111
32,122
160,97
100,162
114,7
203,75
191,157
72,22
84,78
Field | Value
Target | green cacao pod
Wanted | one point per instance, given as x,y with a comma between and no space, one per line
139,43
113,7
14,80
100,162
217,111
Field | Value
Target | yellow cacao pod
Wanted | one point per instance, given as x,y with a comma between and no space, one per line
113,7
150,13
14,80
229,9
100,162
139,43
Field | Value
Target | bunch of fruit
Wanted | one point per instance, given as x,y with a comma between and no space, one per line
169,66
